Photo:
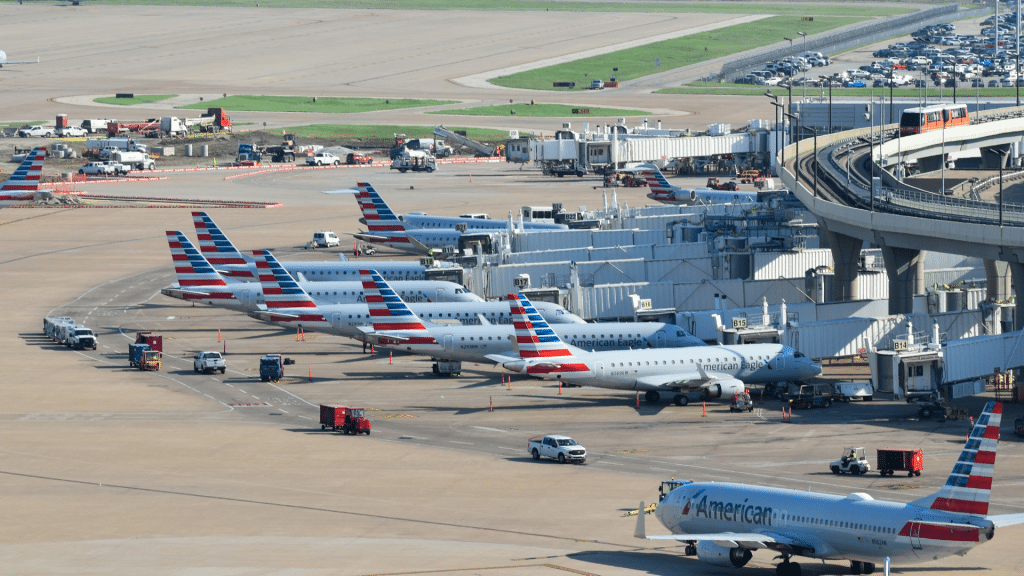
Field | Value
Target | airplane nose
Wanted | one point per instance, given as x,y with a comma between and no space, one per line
816,368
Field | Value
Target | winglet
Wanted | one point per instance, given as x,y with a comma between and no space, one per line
641,525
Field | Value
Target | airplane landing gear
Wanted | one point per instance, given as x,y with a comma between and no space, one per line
787,568
858,567
652,396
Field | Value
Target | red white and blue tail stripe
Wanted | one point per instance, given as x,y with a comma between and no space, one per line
216,246
24,182
382,224
542,351
280,290
656,182
389,313
190,266
970,483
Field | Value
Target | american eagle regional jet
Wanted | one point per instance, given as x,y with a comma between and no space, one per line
723,523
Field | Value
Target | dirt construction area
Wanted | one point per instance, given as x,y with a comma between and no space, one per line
105,469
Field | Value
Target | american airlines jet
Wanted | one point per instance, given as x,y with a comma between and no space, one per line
716,371
666,193
419,233
199,282
287,304
233,264
23,185
396,326
723,523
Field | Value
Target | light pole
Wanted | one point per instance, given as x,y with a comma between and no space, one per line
1001,156
945,116
814,131
796,163
829,80
775,102
804,34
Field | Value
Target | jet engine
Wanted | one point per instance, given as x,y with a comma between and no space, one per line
724,389
714,554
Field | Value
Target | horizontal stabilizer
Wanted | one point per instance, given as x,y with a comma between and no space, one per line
344,191
1002,520
502,359
181,293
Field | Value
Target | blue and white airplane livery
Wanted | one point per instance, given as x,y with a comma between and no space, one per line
724,523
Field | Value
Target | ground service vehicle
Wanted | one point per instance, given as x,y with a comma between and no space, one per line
98,169
138,160
597,84
150,361
928,118
155,341
853,461
51,323
715,184
271,368
415,160
81,338
459,138
437,147
135,351
348,420
891,459
41,131
354,158
323,159
846,391
812,396
741,402
561,448
325,239
94,125
209,362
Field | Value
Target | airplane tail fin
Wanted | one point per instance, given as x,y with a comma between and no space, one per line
189,264
214,244
534,338
279,289
24,181
656,181
970,483
387,310
379,216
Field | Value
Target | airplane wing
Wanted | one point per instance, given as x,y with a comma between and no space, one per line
380,338
684,380
366,237
268,316
1002,520
501,359
438,255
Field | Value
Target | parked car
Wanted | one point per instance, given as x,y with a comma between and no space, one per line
41,131
355,158
323,159
97,168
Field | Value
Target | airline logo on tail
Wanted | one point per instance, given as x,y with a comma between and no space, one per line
656,181
279,289
190,266
536,339
215,245
970,483
24,182
389,313
380,219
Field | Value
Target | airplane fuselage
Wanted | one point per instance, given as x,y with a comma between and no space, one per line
316,271
831,527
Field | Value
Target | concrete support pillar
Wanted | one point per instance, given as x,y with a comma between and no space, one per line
997,280
906,277
931,163
991,161
1017,271
846,255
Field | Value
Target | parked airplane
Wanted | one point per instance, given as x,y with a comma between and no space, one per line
396,326
23,185
288,304
722,523
717,371
199,282
417,232
232,263
666,193
4,61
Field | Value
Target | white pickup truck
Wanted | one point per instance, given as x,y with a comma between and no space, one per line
323,159
209,362
561,448
80,338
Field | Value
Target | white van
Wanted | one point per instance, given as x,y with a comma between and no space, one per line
597,84
325,239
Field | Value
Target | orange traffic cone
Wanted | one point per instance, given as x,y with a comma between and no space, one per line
704,409
310,373
490,407
218,334
391,356
559,387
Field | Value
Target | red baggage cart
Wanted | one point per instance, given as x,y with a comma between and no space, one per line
892,459
348,420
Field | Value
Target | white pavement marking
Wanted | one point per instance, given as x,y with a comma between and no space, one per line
457,442
170,317
306,417
611,463
507,448
662,469
284,411
490,429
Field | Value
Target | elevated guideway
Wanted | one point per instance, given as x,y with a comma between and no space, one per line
833,175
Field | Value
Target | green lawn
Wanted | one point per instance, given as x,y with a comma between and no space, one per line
541,111
670,54
386,131
800,8
306,104
139,99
